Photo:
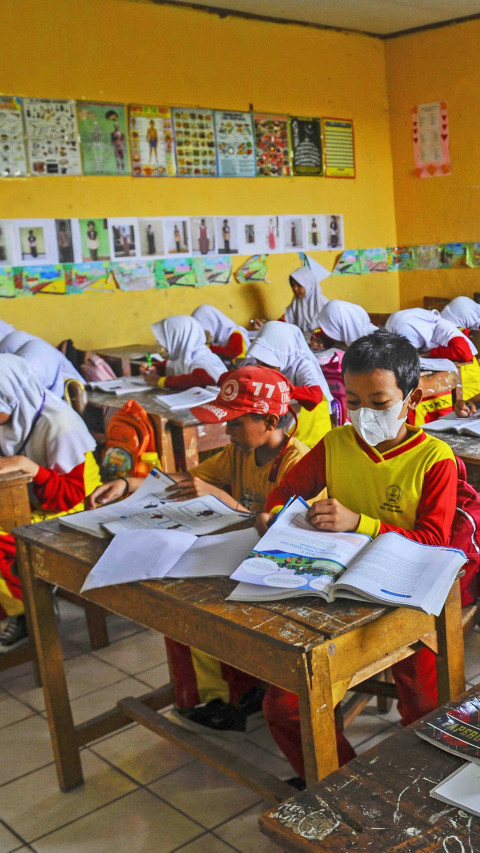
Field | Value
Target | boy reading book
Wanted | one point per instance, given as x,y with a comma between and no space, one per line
381,475
253,401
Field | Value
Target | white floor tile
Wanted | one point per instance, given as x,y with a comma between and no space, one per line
135,654
11,711
206,844
106,698
24,746
243,833
142,754
8,841
156,676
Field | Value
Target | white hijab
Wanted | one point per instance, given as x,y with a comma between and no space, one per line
463,312
425,329
283,346
5,329
184,340
345,321
219,325
305,312
57,437
50,365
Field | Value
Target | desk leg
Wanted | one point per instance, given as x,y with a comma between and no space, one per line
163,437
187,445
317,716
451,657
49,653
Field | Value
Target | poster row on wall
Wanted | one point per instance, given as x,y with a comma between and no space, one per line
404,258
46,136
51,241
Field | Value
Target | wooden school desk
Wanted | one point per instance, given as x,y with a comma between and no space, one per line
303,645
467,447
380,803
126,360
179,436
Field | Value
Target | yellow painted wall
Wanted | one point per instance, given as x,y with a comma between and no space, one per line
135,52
436,65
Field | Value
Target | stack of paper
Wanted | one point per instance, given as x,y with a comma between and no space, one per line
120,386
188,399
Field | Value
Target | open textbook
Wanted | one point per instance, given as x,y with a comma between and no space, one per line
461,789
455,728
132,556
195,396
293,558
435,365
120,386
150,508
468,426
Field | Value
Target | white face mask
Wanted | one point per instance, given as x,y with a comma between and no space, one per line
377,425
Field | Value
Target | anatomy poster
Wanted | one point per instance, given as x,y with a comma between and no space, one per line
235,144
152,144
13,156
103,131
430,136
305,146
271,141
195,143
52,136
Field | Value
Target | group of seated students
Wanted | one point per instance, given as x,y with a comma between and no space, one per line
342,472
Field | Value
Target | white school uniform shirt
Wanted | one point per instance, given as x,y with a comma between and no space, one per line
219,325
305,312
345,321
184,340
51,366
463,312
425,329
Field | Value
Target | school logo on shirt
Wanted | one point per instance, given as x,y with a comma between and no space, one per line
393,496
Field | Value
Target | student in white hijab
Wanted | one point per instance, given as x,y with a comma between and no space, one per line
42,436
341,323
52,368
463,312
308,300
5,329
225,338
188,360
283,346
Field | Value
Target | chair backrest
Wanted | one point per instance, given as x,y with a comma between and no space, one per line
438,302
75,395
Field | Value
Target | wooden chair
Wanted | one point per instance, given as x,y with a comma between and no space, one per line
438,302
75,395
378,319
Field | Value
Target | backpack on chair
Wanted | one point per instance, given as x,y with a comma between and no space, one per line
95,368
332,371
129,434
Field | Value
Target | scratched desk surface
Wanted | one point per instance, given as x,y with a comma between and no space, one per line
148,400
379,802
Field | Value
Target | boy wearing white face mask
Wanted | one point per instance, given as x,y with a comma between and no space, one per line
381,475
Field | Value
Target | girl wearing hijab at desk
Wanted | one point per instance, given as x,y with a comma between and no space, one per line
463,312
283,346
341,323
435,337
42,436
308,300
188,360
52,368
225,337
5,329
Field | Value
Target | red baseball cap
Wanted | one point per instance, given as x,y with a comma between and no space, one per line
248,390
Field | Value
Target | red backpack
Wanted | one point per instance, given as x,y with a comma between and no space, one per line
129,434
332,371
465,534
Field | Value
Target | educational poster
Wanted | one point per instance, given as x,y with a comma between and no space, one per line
226,232
123,238
314,230
64,235
175,271
103,131
254,269
272,235
152,145
305,140
214,270
452,255
35,241
235,144
339,149
271,141
94,276
425,257
430,136
259,234
347,263
7,285
42,279
195,143
7,243
400,258
134,275
473,255
177,235
373,260
151,239
292,228
13,156
52,136
94,239
202,230
334,231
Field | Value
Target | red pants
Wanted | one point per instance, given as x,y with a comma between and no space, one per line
229,684
416,680
10,587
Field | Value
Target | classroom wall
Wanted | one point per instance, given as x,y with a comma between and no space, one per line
436,65
139,52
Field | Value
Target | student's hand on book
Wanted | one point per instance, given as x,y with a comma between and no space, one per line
18,464
331,515
463,409
263,522
105,494
188,487
257,324
151,378
145,368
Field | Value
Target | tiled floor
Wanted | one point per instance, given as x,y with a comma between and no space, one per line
141,793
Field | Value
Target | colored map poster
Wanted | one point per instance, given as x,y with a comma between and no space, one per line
180,271
52,136
235,144
216,270
305,140
254,269
152,145
271,142
195,143
430,136
93,276
103,131
13,156
338,148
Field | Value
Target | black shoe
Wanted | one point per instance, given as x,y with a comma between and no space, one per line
13,633
220,716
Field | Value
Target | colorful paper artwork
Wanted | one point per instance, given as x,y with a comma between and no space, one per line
134,275
103,131
425,257
271,142
399,258
339,149
175,271
94,276
347,263
254,269
452,255
152,143
202,230
42,279
473,254
235,144
305,146
195,143
94,239
226,233
212,270
430,136
373,260
7,284
13,155
52,136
